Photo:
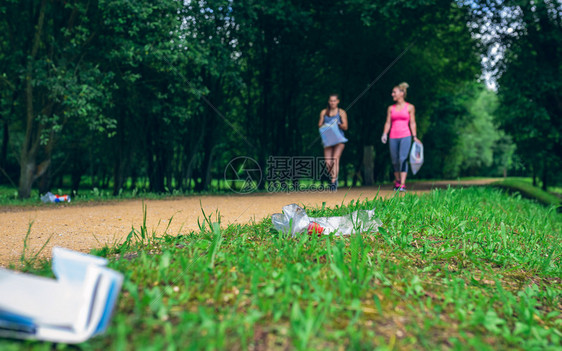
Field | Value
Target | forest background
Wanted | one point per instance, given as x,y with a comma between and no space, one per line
161,95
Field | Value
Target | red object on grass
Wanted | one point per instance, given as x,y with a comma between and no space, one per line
315,227
62,198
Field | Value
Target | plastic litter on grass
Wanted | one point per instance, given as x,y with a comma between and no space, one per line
294,220
52,198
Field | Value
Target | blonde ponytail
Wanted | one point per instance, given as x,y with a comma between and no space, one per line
403,88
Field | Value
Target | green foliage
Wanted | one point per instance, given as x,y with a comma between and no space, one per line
458,268
529,37
464,139
480,135
173,90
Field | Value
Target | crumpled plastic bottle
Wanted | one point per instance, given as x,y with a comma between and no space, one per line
294,220
50,197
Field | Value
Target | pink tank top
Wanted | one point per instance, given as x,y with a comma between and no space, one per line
400,122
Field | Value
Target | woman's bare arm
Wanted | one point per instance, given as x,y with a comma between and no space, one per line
413,126
321,121
343,124
387,123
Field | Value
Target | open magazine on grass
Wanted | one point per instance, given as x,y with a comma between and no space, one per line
75,306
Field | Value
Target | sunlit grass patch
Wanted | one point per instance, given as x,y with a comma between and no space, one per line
525,188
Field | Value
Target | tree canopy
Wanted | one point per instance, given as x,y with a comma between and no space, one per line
527,35
161,95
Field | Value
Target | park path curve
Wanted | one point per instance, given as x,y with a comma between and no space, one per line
83,227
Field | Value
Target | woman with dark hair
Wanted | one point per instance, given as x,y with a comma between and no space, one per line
401,122
333,121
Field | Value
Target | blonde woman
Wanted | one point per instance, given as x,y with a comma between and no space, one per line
401,123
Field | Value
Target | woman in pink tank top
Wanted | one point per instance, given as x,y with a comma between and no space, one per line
401,123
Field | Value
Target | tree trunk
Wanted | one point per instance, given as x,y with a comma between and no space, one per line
161,165
119,172
369,165
197,179
265,83
355,179
189,174
75,179
544,175
193,147
5,141
91,167
205,168
134,177
120,161
28,168
105,179
150,160
178,168
45,181
45,175
208,173
208,149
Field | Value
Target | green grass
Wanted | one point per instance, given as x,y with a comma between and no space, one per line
9,194
526,189
553,189
459,269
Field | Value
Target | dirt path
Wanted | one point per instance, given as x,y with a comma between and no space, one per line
85,227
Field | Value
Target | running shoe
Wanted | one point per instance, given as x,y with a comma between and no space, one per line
402,188
396,185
